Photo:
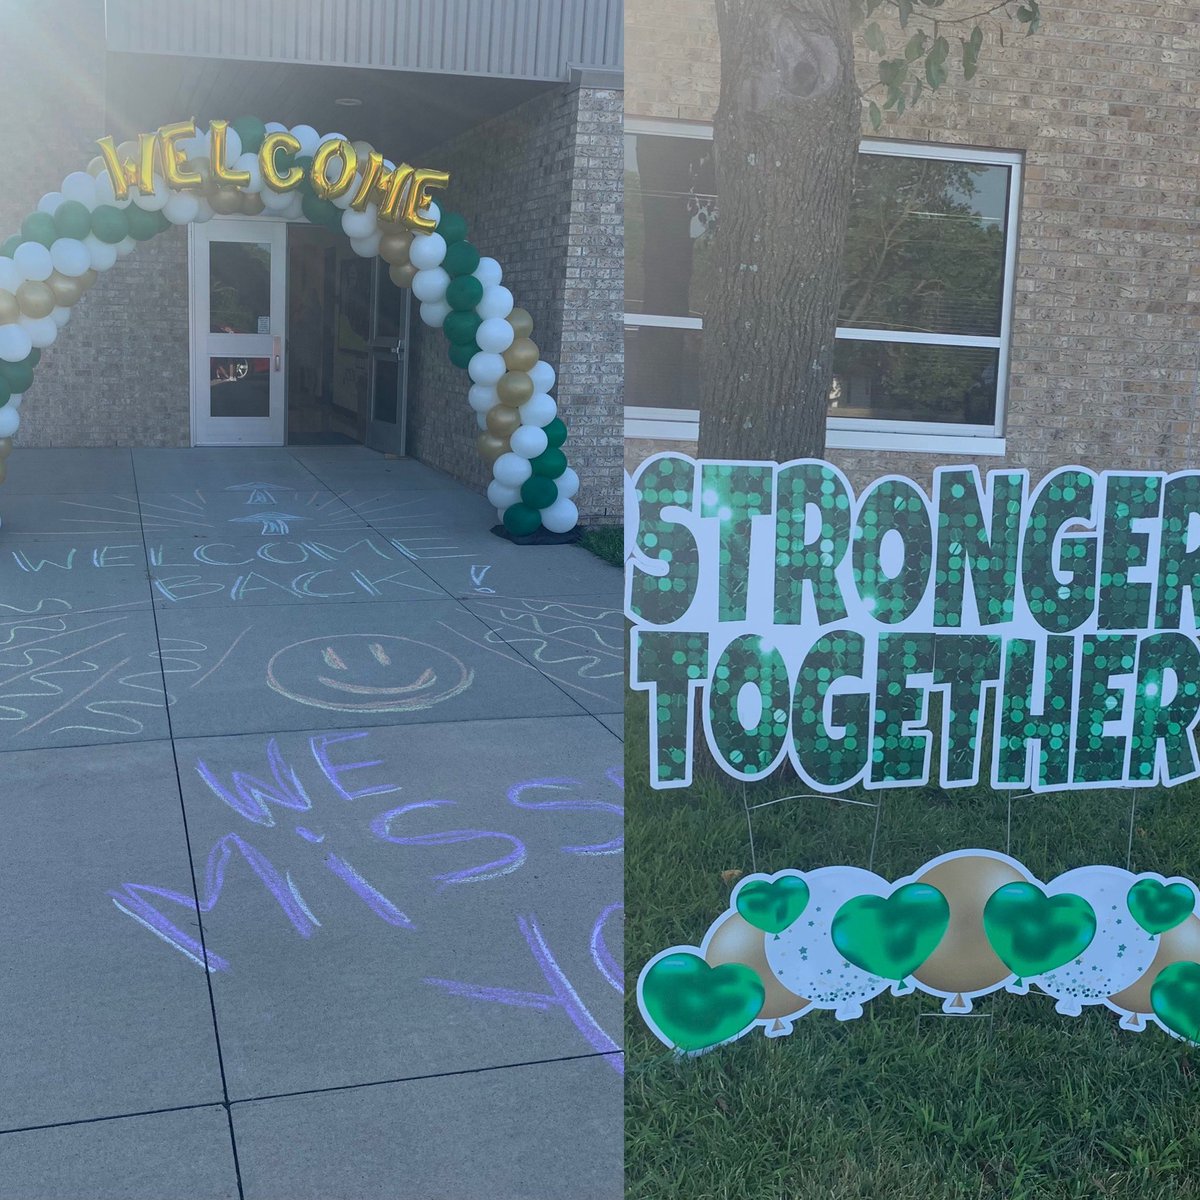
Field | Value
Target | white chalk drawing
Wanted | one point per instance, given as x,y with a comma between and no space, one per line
270,522
478,571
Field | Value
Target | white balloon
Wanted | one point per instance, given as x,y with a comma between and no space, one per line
14,343
501,495
308,138
49,204
482,398
542,374
528,441
125,247
69,257
333,137
427,251
495,335
181,208
538,410
204,213
568,484
489,273
249,164
14,402
60,315
343,201
367,247
361,224
511,470
104,193
42,331
80,186
487,368
154,201
431,212
481,420
10,277
561,517
434,314
196,147
10,421
103,256
430,286
497,302
295,206
275,127
274,201
33,261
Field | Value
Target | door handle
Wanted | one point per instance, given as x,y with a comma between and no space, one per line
278,353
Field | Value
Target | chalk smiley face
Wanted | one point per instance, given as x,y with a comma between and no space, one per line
367,672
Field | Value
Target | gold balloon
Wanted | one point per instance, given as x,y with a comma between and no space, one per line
491,447
1181,944
5,448
10,310
67,291
226,201
503,421
964,960
521,322
402,276
514,388
735,940
364,150
393,247
35,299
252,204
521,355
88,278
3,469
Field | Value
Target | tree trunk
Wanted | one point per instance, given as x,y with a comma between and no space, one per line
786,139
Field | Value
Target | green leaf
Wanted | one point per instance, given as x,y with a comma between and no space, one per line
875,115
970,60
939,52
874,38
917,89
976,39
906,7
915,47
935,74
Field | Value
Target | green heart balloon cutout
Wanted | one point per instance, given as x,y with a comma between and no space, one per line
1175,998
891,936
695,1006
772,904
1157,907
1032,933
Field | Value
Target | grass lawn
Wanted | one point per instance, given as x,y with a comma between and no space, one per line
1015,1103
606,542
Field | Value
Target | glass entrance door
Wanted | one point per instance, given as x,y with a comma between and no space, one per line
238,295
389,364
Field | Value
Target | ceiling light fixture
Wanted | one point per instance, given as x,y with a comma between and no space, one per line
348,102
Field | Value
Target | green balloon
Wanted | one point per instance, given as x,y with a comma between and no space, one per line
891,936
18,376
556,433
320,212
452,227
460,327
142,224
110,224
161,223
551,463
1157,907
1175,998
10,244
464,293
692,1006
1032,933
5,392
72,220
305,162
39,227
461,259
772,905
520,519
539,492
461,355
32,358
252,132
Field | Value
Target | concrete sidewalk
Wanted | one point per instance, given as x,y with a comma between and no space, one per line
311,867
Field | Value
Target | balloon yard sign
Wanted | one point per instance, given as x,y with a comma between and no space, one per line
964,925
1056,623
182,174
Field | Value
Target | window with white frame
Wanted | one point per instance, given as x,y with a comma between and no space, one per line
922,339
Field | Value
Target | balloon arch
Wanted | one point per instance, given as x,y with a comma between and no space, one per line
181,174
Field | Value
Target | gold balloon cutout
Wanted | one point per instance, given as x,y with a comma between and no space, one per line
10,310
403,275
491,447
514,388
35,299
503,421
394,247
521,355
521,322
1181,944
66,291
964,961
735,940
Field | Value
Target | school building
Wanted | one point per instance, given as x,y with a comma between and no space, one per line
519,100
1022,273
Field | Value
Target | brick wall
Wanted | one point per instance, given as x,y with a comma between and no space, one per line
540,188
1102,102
